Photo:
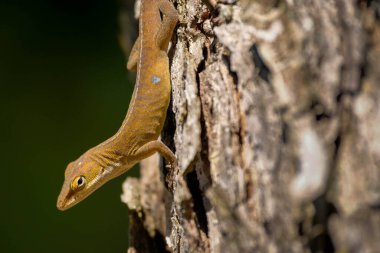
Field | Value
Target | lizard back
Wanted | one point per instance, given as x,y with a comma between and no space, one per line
151,96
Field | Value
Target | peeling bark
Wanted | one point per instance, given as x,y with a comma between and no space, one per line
275,124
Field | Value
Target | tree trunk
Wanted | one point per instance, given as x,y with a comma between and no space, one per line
275,122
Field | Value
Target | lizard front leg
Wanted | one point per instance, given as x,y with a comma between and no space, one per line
152,147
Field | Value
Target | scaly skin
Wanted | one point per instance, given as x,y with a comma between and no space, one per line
138,136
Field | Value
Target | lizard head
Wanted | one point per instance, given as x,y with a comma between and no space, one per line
83,177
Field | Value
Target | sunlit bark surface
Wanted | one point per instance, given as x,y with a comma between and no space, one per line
275,122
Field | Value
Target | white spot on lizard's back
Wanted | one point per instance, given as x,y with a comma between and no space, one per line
156,79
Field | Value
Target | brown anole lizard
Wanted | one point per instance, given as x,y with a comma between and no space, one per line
138,136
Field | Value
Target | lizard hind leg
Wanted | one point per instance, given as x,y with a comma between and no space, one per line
168,24
134,56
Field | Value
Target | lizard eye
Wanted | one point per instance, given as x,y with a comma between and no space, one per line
78,183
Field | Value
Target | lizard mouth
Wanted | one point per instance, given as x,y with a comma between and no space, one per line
61,206
65,200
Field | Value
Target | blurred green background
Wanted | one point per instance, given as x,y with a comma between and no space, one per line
64,89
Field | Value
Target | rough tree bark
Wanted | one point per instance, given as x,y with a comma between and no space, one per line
275,121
